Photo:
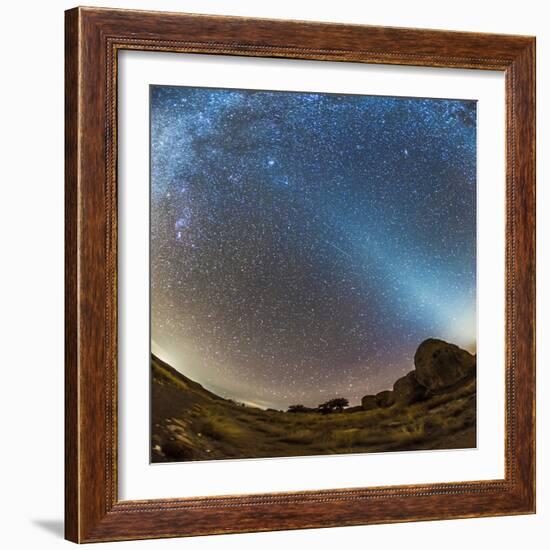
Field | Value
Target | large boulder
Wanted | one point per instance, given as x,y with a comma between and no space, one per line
408,390
385,398
369,402
440,365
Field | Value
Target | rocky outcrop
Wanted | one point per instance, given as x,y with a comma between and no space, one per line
369,402
439,365
385,399
408,390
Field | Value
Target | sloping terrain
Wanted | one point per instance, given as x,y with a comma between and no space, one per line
432,407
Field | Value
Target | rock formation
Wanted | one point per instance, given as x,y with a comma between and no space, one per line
369,402
408,390
439,366
385,398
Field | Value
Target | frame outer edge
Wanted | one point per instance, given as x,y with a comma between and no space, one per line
72,448
524,69
90,515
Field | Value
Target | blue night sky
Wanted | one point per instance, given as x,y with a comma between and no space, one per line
304,244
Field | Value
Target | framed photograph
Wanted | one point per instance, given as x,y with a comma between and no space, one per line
300,275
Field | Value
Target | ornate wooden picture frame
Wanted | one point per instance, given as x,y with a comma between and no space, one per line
94,37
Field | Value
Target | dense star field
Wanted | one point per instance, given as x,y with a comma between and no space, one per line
304,244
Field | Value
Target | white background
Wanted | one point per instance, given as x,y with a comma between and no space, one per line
140,480
31,218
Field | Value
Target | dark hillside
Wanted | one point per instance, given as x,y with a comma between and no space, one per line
432,407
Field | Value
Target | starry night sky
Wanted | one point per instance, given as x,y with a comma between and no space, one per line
304,244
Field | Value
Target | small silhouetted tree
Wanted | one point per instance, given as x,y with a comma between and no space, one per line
338,404
296,409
